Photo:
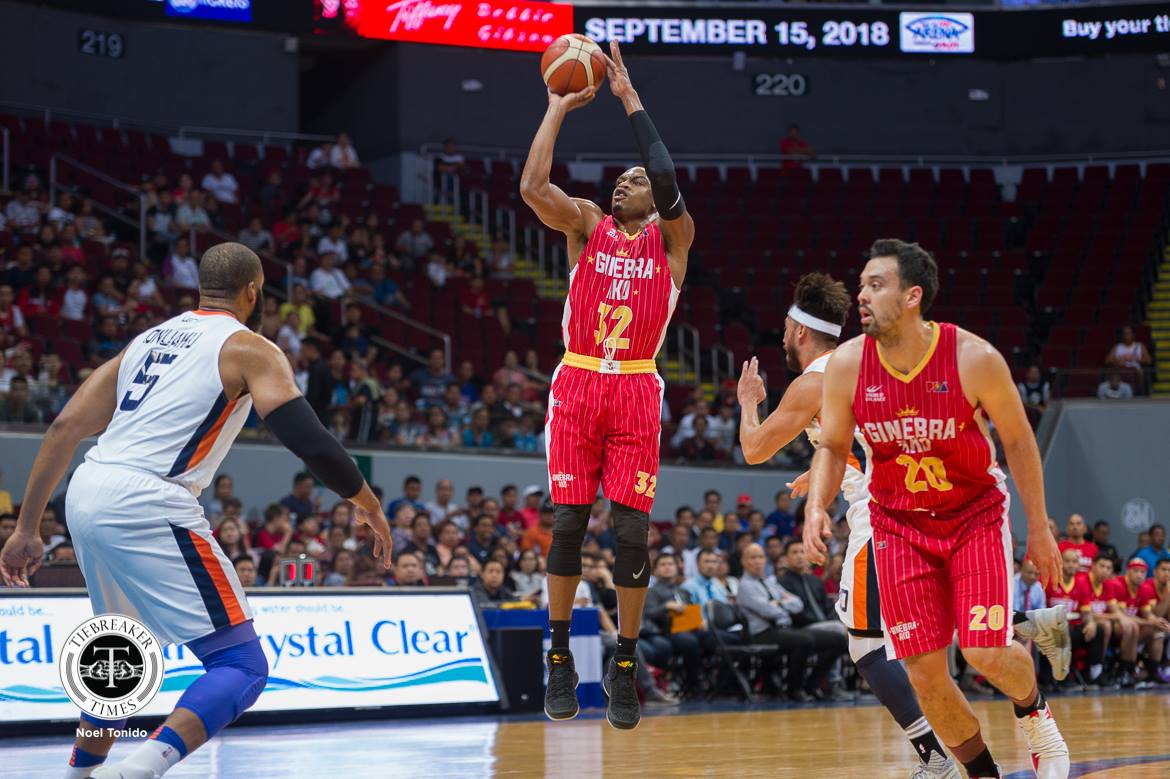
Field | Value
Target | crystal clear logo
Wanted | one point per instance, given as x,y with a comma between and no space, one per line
111,666
937,33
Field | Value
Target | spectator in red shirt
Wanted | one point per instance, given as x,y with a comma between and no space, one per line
511,521
41,297
277,529
12,325
475,301
1074,593
1077,531
530,513
793,144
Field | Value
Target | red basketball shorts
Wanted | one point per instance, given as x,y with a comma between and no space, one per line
938,574
603,430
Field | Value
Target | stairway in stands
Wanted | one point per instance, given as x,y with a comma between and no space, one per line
1158,318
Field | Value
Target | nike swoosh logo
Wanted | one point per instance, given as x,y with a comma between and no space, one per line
640,571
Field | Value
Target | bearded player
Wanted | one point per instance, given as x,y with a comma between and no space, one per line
603,424
920,393
168,408
811,333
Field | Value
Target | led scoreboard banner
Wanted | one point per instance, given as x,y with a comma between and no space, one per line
861,32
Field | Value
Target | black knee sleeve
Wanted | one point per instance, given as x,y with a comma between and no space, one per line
632,561
570,523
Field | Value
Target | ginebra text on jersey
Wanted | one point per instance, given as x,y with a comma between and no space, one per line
620,267
913,433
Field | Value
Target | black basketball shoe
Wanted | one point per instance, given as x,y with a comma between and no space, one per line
560,697
623,711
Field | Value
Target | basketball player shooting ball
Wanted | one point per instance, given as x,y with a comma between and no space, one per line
170,406
919,392
811,333
605,403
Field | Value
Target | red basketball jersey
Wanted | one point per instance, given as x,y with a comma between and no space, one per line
1087,550
1127,599
1098,596
621,295
1147,594
930,447
1076,596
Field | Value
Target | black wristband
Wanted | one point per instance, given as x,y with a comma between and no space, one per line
296,425
659,167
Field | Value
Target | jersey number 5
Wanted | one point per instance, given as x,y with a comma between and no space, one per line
932,470
145,379
613,340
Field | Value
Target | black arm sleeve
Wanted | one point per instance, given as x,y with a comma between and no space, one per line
659,167
296,426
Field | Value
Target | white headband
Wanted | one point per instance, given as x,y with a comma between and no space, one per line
808,320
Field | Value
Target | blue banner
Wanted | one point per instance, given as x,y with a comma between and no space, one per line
220,10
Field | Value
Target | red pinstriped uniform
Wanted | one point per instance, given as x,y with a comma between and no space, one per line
603,424
937,503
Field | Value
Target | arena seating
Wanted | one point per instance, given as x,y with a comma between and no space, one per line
1048,276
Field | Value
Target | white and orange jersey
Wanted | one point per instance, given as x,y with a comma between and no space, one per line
172,418
855,484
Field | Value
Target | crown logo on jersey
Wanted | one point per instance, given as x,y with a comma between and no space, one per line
908,411
622,253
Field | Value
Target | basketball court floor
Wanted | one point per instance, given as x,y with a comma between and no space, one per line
1111,736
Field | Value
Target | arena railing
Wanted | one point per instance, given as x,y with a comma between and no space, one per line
58,160
265,136
49,113
384,311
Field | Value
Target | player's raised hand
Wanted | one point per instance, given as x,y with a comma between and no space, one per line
1042,551
615,71
20,558
799,486
817,529
573,100
750,390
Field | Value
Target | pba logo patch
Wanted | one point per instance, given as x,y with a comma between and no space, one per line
937,33
937,386
111,666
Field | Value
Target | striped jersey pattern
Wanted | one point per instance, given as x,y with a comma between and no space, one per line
621,295
930,447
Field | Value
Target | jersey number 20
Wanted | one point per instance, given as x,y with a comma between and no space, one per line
931,469
146,379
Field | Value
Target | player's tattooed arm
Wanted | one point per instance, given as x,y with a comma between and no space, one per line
987,382
760,441
837,428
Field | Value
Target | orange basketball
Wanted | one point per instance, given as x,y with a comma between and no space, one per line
572,63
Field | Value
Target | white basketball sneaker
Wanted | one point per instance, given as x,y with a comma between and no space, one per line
939,767
123,771
1049,752
1048,629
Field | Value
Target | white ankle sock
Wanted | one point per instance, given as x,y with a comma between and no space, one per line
153,755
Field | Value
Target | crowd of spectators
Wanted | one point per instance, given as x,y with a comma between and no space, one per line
748,557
